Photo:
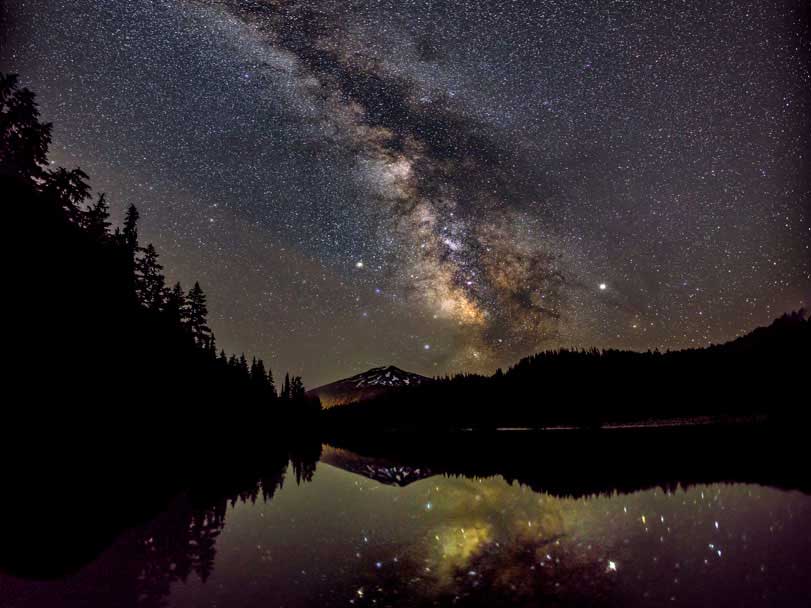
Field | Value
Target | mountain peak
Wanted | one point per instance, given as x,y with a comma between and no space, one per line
388,375
366,385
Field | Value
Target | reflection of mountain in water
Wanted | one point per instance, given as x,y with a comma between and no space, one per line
582,463
378,469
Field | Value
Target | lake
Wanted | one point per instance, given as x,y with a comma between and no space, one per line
355,530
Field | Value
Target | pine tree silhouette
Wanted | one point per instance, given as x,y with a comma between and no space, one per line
130,231
149,281
285,394
271,384
96,219
197,313
259,376
242,365
24,140
175,306
69,189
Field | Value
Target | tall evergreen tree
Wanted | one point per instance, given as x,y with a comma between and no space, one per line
259,377
243,367
198,311
96,219
131,230
285,394
175,305
271,384
149,281
128,240
24,140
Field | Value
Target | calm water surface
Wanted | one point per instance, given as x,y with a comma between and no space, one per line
346,539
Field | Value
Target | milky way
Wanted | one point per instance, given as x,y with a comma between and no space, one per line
445,186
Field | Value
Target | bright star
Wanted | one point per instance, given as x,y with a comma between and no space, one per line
603,286
358,264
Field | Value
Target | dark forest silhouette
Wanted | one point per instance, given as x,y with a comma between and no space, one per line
94,301
760,374
119,400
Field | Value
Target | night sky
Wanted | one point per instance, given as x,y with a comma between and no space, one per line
444,185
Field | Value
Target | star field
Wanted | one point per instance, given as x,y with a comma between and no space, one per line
447,539
444,186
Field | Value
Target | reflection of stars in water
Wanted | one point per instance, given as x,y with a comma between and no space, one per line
479,543
504,532
486,534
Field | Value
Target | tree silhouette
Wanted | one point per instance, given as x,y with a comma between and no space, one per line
116,310
242,364
296,389
69,189
149,282
24,140
258,375
176,307
271,384
130,231
285,393
197,315
96,219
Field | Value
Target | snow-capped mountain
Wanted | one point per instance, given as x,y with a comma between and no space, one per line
366,385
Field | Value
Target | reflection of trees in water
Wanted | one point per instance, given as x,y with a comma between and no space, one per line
178,543
141,564
139,567
303,459
584,463
182,541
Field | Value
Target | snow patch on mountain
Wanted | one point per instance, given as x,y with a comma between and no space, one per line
386,376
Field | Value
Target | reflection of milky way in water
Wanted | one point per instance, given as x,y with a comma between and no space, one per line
343,539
